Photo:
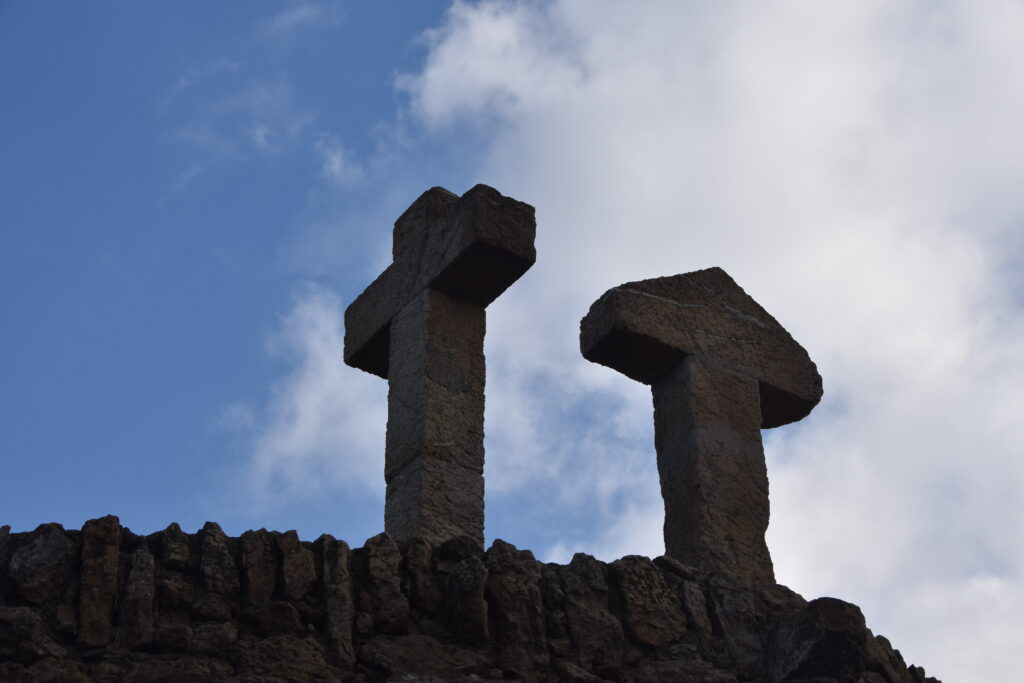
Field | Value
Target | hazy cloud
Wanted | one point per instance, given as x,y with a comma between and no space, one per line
242,119
184,178
310,435
195,76
337,165
479,41
303,16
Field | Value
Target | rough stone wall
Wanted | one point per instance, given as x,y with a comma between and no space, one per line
104,604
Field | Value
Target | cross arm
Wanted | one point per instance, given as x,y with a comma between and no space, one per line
471,247
645,329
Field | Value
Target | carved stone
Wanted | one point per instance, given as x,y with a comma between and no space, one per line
420,325
720,370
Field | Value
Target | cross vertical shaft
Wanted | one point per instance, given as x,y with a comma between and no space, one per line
712,468
434,457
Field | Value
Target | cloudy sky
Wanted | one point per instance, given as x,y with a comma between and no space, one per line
190,194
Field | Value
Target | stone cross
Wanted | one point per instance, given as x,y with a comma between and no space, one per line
720,370
420,325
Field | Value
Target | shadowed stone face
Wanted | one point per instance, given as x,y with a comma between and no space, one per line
420,325
720,369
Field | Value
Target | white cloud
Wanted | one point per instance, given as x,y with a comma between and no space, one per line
856,167
256,118
260,135
303,16
196,75
184,178
476,43
310,436
337,165
236,417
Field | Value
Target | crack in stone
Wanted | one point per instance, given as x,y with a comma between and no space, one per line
697,285
746,316
402,403
659,298
721,336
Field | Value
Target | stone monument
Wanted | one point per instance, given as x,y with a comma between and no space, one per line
720,370
420,325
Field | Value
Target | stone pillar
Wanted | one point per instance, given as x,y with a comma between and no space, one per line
712,468
434,458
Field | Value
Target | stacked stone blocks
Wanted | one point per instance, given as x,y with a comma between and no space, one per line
105,604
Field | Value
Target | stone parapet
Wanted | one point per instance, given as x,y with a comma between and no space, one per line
105,604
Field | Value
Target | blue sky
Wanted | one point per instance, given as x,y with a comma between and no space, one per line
191,195
157,166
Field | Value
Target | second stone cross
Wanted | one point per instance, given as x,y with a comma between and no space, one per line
420,325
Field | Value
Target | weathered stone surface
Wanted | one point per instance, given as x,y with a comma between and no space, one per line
65,620
644,330
213,638
414,656
101,542
174,548
275,618
503,616
567,671
829,638
174,592
212,607
776,600
465,606
421,325
173,637
650,608
434,453
733,609
216,565
136,608
47,669
455,550
673,672
597,637
418,565
555,620
377,566
286,658
712,469
259,566
179,670
298,568
720,369
62,670
38,569
674,566
24,637
517,608
336,588
696,609
893,667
